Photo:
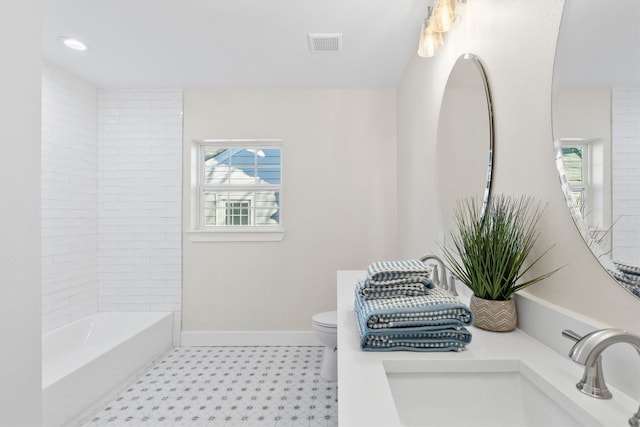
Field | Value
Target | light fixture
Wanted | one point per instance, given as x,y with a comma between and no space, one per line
443,15
74,44
430,40
439,20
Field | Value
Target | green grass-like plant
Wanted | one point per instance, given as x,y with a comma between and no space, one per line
488,254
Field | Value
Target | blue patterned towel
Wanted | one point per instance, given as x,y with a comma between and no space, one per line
435,310
432,322
450,339
388,279
382,272
408,287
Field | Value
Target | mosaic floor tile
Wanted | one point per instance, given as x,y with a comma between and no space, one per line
227,386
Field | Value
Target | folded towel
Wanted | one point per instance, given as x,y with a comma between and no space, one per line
437,309
386,272
410,286
388,279
628,269
431,340
431,322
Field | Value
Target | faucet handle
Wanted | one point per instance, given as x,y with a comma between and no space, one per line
568,333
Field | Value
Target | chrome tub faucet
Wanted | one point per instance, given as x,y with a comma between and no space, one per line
588,352
444,284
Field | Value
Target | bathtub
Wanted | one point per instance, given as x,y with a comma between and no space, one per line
84,361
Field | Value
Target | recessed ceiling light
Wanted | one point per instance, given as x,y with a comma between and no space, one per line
74,44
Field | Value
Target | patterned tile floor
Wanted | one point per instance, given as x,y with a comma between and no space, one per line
227,386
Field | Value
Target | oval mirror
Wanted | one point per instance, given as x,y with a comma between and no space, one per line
596,129
464,146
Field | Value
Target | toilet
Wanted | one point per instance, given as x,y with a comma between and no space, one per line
325,325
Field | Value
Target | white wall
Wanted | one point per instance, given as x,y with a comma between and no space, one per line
140,140
20,305
626,173
69,198
515,39
338,203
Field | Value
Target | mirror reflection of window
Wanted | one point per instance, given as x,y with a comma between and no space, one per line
575,158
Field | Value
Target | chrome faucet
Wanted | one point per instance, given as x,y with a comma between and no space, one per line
444,284
588,352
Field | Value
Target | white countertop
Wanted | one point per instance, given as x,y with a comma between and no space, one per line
365,399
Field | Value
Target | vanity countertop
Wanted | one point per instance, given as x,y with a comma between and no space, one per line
365,399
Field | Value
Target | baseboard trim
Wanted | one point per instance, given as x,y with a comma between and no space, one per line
248,338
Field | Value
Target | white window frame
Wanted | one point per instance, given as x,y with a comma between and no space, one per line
220,233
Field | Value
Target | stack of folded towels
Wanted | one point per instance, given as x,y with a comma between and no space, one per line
398,307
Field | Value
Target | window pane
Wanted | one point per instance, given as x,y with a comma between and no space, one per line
216,153
243,157
242,176
210,208
572,158
216,169
267,208
269,175
270,156
578,196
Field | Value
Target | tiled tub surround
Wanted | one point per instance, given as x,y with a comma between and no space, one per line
111,199
625,122
69,197
366,399
227,386
83,362
139,199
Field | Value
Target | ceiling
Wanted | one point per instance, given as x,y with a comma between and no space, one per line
263,43
233,43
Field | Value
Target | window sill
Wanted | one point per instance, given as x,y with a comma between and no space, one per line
270,234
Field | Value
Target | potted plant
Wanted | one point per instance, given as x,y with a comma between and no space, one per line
488,253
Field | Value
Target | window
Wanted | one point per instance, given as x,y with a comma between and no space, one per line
575,158
237,186
237,212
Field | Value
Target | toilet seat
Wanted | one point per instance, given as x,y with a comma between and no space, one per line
326,319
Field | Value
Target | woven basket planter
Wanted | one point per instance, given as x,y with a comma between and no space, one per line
496,316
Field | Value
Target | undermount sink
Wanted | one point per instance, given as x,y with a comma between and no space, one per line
479,393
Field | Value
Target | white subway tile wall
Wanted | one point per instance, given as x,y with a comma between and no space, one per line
139,202
626,173
69,198
111,194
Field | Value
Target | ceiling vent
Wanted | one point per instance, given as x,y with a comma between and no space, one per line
325,42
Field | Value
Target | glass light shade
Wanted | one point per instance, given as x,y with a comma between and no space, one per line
443,15
74,44
430,40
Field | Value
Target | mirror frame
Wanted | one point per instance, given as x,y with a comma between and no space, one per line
485,83
475,60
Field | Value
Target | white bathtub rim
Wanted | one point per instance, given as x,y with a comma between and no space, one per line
59,367
87,414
